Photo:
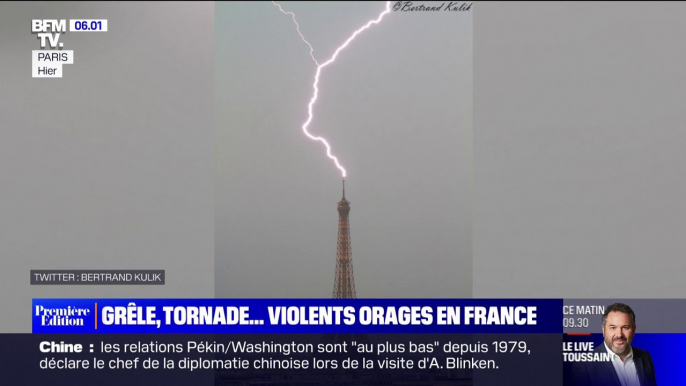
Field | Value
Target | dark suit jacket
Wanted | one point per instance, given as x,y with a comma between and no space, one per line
604,374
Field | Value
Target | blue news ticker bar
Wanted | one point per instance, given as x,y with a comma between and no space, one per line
48,315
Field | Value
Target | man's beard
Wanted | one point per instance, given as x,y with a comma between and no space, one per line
627,344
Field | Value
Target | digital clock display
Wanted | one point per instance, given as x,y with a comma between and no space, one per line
81,25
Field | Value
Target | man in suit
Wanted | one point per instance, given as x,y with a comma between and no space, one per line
629,366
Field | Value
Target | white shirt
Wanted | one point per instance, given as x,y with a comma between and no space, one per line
626,370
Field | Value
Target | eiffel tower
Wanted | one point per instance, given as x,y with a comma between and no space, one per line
344,282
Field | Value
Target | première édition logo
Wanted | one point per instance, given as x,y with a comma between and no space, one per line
62,316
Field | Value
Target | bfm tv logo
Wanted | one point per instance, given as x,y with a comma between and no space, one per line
62,316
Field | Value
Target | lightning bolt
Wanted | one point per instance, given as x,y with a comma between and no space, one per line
297,27
315,94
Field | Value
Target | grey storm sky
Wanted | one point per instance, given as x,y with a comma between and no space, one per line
110,166
396,109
